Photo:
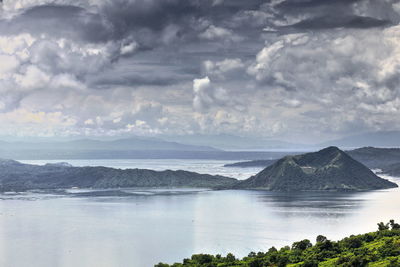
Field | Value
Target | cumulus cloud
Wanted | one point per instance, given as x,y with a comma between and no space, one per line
206,95
338,73
269,68
224,68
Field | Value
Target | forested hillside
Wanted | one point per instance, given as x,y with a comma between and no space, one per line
376,249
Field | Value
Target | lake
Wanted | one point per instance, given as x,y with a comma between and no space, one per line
214,167
168,225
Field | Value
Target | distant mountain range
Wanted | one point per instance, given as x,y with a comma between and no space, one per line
128,148
232,142
135,147
372,157
371,139
327,169
184,147
133,143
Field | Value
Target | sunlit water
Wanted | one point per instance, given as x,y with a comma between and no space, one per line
215,167
150,226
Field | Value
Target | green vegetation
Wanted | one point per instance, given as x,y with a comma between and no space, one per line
376,249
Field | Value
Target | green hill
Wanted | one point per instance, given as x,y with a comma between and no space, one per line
327,169
376,249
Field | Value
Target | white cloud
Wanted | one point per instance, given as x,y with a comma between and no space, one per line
334,74
32,78
206,95
265,60
226,67
129,48
219,33
7,65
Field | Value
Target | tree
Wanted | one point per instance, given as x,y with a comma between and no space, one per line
230,257
321,239
353,242
202,258
383,226
393,225
302,245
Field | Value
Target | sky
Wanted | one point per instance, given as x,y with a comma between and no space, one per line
295,70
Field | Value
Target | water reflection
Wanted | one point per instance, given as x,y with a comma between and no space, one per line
314,203
140,227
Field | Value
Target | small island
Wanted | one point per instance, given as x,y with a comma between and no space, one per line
329,169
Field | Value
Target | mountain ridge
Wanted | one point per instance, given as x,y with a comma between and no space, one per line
383,139
16,176
133,143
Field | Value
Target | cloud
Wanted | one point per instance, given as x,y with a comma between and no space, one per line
215,33
343,72
228,67
32,78
207,95
279,67
129,48
8,63
328,22
318,15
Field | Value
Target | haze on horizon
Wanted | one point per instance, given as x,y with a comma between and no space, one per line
294,70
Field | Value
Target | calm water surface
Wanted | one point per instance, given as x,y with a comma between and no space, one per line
168,225
214,167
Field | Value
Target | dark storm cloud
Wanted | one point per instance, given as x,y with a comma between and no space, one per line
329,22
145,20
295,4
325,14
152,23
61,21
118,19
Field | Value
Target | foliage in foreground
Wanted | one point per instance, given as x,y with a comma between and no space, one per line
376,249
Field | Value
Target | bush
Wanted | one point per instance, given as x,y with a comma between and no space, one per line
309,263
352,242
